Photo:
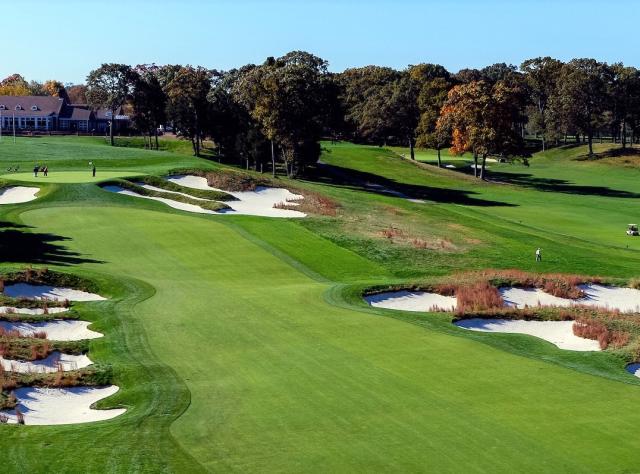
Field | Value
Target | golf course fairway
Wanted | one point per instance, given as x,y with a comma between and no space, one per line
242,344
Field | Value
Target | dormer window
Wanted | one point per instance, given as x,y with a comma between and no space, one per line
34,107
18,107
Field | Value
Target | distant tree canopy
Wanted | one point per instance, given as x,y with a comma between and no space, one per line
274,114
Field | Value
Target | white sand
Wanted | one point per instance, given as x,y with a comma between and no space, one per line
56,330
622,299
62,406
559,333
449,166
412,301
531,297
252,203
48,365
169,202
14,310
38,292
634,369
18,194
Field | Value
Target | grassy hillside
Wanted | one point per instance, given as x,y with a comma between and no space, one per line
241,344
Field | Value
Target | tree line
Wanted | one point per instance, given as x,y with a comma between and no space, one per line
274,114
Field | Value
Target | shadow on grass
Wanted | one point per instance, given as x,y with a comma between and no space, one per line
558,185
376,184
612,153
18,244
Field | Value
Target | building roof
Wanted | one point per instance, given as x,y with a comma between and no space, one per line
30,106
105,114
76,112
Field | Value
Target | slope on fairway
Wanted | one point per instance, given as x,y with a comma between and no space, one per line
585,201
282,381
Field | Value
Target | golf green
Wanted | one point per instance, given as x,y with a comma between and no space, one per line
69,176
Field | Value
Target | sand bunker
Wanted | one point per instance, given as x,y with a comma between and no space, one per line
56,330
559,333
169,202
412,301
531,297
33,311
252,203
62,406
50,364
39,292
622,299
18,194
634,369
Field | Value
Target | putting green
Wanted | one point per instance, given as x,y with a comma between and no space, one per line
69,176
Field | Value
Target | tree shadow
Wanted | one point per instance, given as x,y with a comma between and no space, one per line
376,184
18,244
558,185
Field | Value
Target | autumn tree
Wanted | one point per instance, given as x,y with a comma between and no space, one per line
481,119
14,85
77,93
109,87
55,89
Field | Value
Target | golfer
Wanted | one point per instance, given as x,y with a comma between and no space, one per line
36,168
538,255
45,170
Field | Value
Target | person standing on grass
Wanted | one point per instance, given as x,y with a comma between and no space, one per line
93,171
539,255
45,170
36,168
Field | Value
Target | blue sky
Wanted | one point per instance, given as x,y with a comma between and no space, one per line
65,39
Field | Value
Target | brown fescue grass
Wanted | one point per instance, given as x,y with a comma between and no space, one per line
557,284
480,296
312,203
598,331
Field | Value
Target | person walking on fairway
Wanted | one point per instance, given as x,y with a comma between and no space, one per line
36,168
538,255
93,169
45,170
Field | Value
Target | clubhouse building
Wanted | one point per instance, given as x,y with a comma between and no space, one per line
53,114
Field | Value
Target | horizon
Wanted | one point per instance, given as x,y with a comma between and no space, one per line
344,33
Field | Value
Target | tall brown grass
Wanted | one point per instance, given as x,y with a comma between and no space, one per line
480,296
598,331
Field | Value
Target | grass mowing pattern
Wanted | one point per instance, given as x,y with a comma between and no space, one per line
279,380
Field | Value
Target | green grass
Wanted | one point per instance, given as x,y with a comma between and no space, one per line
69,176
241,344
